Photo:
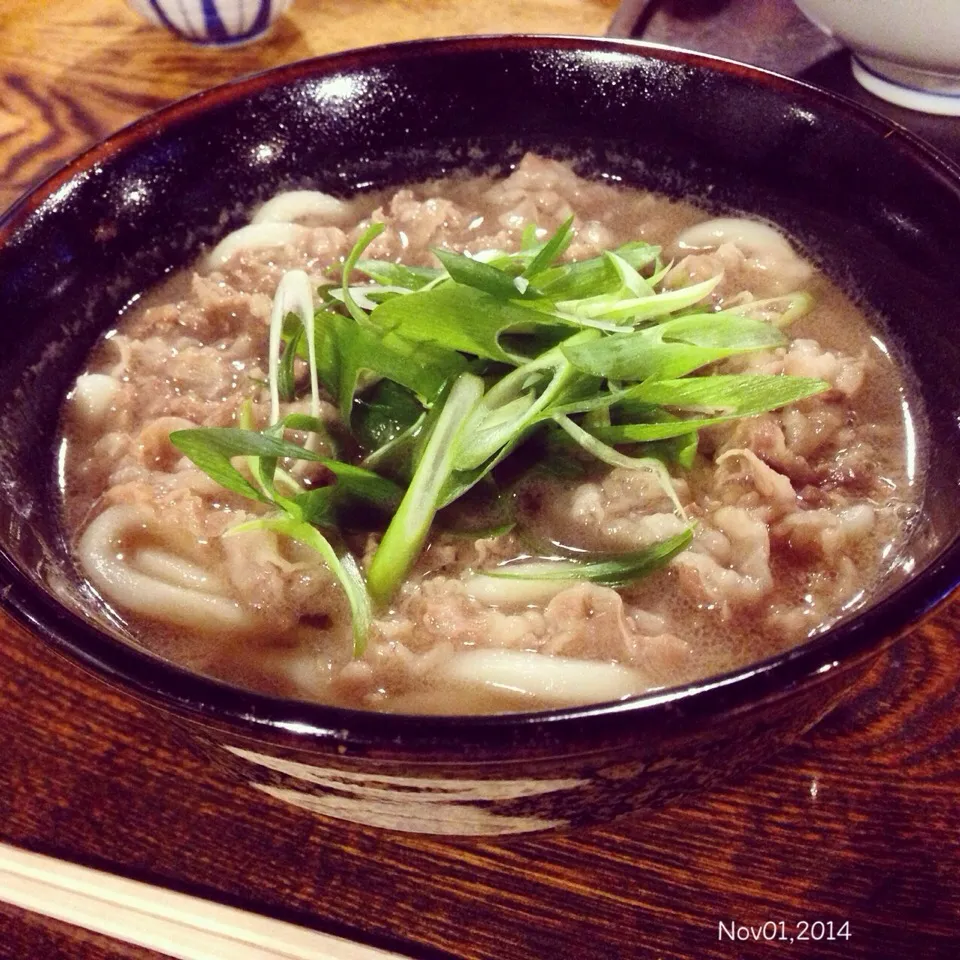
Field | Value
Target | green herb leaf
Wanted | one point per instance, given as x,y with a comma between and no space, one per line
459,317
396,457
383,413
422,368
354,487
211,449
359,483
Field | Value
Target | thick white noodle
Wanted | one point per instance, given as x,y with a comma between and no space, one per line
111,571
93,396
552,681
296,204
756,240
510,592
177,571
255,236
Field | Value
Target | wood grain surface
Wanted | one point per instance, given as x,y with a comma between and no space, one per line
858,824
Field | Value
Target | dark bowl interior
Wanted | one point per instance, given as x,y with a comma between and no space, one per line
874,206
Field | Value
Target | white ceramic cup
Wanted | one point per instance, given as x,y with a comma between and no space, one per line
213,22
906,51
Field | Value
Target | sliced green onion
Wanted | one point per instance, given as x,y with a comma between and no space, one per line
472,272
637,309
608,454
397,275
596,339
408,530
673,348
364,241
588,278
551,250
294,295
615,570
508,410
630,278
780,311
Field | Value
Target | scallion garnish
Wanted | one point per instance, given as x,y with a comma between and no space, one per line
441,373
615,570
404,538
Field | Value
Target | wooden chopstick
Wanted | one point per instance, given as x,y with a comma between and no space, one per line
630,18
175,924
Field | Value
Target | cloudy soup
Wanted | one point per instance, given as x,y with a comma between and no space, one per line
486,445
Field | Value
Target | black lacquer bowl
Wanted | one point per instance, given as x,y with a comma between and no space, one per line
863,196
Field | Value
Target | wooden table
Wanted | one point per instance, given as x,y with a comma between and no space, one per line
859,823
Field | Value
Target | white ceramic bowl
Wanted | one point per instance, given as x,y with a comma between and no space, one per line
906,51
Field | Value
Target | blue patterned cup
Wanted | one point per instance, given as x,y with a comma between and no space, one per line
218,23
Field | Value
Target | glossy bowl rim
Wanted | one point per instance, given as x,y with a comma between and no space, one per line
180,691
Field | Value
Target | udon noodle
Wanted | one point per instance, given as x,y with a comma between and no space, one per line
795,512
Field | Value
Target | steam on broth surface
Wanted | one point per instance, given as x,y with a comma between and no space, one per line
792,514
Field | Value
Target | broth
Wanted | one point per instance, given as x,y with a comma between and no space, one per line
798,512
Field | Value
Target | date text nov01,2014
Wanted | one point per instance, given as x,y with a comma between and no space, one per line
784,931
